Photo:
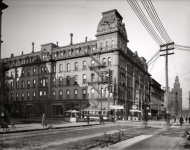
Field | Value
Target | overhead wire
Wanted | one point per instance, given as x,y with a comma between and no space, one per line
159,20
155,20
153,56
154,63
134,5
144,20
174,66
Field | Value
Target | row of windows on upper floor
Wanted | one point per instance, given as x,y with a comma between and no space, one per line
43,94
84,50
84,95
68,68
43,82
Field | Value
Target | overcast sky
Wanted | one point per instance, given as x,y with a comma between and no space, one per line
45,21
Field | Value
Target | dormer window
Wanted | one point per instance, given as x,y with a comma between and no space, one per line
112,43
106,44
101,46
77,52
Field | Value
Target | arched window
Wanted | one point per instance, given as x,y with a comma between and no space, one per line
60,94
54,69
75,94
68,67
104,61
22,96
93,48
28,84
76,79
85,50
92,62
16,96
12,85
68,80
68,94
92,93
92,78
84,78
77,51
109,61
54,81
70,53
53,93
45,69
101,46
61,54
60,68
112,43
84,96
28,96
22,84
84,65
34,94
11,96
12,74
76,66
106,44
60,81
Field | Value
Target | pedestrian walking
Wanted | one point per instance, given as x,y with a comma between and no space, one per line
174,119
100,118
88,119
186,118
110,118
44,123
181,120
189,119
113,118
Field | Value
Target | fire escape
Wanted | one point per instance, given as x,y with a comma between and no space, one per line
99,68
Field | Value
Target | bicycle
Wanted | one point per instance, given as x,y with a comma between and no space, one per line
12,128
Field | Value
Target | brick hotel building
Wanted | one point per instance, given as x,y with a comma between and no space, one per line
75,77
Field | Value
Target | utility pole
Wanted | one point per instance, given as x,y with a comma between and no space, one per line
167,48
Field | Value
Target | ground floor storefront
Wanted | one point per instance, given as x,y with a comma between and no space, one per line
59,108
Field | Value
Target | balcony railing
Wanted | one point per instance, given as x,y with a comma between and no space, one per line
96,81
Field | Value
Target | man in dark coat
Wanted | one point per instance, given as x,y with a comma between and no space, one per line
88,119
181,120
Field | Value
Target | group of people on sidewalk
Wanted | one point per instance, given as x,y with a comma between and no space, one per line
181,120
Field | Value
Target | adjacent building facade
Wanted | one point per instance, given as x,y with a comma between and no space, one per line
156,99
77,76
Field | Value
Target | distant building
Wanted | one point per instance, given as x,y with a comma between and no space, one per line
156,99
57,78
175,99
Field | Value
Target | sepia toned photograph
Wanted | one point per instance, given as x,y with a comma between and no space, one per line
95,75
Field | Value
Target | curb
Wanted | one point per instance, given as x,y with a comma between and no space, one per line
31,130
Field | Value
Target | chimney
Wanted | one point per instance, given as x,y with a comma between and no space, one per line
12,55
57,43
32,47
86,39
71,39
22,52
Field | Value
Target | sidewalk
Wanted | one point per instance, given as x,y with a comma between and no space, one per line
153,141
24,125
